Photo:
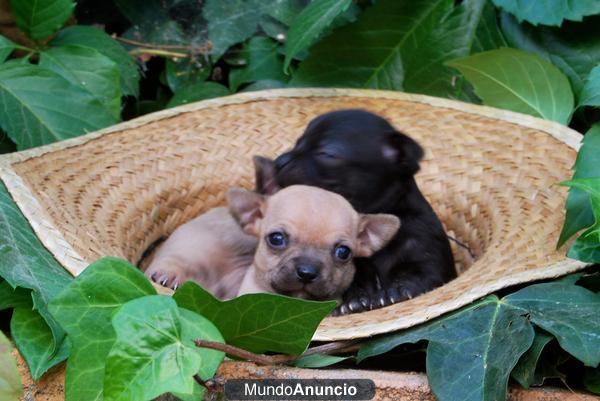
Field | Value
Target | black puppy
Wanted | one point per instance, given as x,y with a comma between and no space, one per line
362,157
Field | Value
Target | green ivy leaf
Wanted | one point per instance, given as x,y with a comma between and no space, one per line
549,12
579,210
590,94
6,48
84,309
36,341
40,107
264,62
11,387
27,264
574,48
569,312
258,322
97,39
587,247
231,22
184,72
90,70
318,360
524,372
309,25
41,18
591,380
14,297
470,353
196,92
155,352
519,81
369,53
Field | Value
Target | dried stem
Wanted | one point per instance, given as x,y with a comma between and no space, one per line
329,348
157,52
156,47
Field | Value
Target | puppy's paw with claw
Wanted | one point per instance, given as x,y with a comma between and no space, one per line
389,296
379,299
168,275
355,304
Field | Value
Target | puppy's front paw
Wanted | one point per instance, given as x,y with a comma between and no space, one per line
364,302
170,275
358,303
389,296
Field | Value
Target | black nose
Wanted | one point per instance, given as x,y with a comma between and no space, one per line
306,272
282,160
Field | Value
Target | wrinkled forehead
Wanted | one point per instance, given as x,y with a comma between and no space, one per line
311,213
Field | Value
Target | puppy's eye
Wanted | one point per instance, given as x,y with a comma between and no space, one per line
342,253
327,155
277,240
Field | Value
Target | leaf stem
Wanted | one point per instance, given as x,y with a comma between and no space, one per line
154,46
261,359
158,52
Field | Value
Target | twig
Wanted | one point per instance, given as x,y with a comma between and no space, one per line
214,384
335,347
158,52
190,49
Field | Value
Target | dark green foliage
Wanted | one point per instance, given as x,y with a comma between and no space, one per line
472,352
579,209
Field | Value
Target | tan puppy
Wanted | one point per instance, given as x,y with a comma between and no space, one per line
307,240
211,250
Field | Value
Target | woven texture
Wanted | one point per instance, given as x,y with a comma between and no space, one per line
491,181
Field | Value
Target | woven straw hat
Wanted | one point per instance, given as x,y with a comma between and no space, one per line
490,175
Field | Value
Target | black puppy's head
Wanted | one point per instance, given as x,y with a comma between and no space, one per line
352,152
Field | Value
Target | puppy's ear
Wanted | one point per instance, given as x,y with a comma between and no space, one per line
265,175
375,231
403,151
246,207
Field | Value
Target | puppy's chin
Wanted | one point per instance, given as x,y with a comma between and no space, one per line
313,291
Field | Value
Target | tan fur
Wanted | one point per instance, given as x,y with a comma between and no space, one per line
211,250
315,221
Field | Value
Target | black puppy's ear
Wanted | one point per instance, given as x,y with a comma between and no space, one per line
246,207
375,231
265,176
403,151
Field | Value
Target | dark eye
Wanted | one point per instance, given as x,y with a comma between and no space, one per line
326,155
342,253
277,240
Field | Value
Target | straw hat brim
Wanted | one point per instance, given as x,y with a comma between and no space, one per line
490,175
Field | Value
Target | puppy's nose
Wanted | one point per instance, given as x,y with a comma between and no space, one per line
282,160
306,272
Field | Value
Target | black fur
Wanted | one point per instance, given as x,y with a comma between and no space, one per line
363,158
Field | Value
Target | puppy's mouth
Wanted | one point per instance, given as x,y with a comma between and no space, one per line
304,291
